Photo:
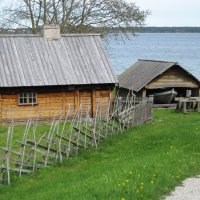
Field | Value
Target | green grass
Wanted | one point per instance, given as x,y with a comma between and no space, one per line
146,162
19,131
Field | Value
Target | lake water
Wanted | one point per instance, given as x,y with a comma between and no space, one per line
183,48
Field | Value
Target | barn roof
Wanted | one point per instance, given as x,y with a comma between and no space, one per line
74,59
143,72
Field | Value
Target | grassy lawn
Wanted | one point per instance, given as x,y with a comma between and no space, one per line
146,162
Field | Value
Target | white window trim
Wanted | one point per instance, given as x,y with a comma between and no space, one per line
28,103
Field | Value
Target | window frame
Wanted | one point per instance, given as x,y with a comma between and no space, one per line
27,96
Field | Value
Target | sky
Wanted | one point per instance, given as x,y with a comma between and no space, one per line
166,12
171,12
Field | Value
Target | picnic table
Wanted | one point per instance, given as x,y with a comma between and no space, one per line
187,104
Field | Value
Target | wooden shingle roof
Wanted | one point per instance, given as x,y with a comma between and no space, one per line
74,59
143,72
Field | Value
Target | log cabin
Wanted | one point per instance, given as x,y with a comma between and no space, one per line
148,76
43,75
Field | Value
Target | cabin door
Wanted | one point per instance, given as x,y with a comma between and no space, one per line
86,102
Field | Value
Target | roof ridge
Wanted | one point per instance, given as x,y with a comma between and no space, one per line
20,35
62,35
157,61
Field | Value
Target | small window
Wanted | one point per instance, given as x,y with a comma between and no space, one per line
27,98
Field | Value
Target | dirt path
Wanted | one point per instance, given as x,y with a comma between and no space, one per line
189,190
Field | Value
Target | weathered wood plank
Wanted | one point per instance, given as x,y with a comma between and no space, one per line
91,131
17,170
11,151
25,164
83,133
71,141
44,147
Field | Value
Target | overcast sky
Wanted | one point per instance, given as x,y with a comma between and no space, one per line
167,12
171,12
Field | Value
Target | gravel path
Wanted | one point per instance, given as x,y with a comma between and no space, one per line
189,190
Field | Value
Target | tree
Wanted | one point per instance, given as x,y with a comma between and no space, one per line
101,16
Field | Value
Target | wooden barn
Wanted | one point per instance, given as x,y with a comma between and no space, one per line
148,76
41,75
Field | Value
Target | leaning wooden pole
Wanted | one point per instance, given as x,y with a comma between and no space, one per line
49,140
7,153
107,116
23,145
62,132
95,123
35,145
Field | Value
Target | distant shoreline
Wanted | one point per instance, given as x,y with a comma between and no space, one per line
147,29
169,30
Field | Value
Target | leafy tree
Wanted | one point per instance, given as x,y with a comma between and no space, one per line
101,16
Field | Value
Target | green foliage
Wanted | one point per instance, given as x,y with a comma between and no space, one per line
146,162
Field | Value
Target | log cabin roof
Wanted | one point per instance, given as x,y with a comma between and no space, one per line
144,71
74,59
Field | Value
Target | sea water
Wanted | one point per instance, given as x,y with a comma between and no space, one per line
183,48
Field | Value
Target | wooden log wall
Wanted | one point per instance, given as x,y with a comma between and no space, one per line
86,102
174,77
51,104
104,97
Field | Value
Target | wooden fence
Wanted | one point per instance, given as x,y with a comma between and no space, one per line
66,137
